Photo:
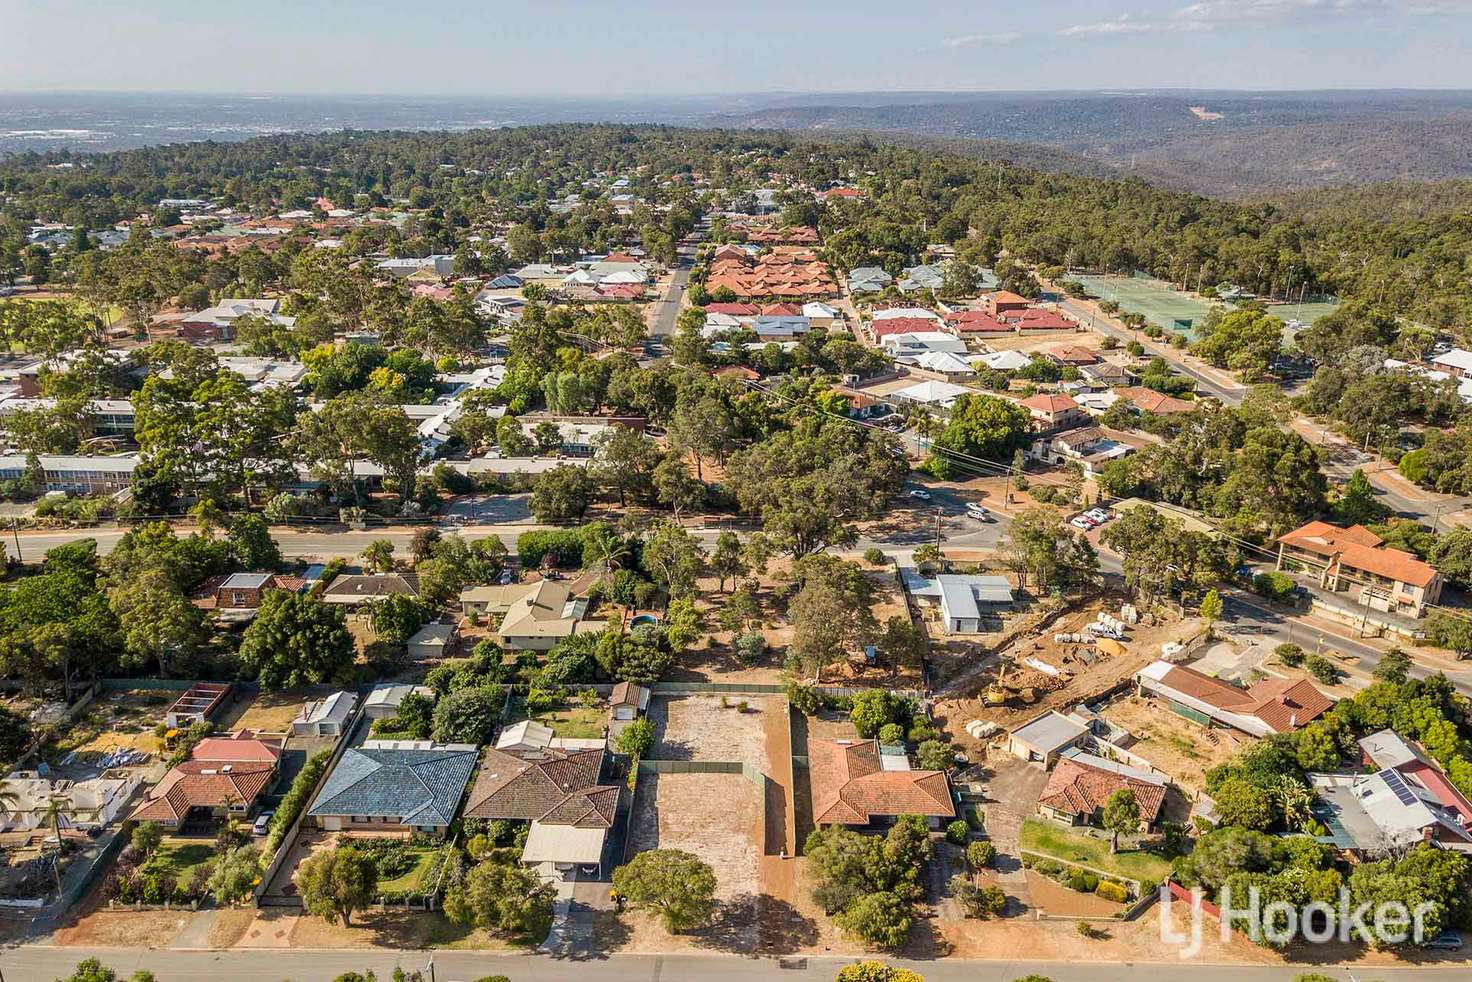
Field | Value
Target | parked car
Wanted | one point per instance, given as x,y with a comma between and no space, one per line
921,494
263,822
1446,941
1099,515
978,512
1080,522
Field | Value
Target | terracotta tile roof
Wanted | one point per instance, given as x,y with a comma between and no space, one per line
243,746
1358,548
1075,788
1046,402
1033,319
734,309
850,787
1006,298
556,787
1150,401
1072,354
901,325
1286,704
977,322
204,784
1280,703
1326,539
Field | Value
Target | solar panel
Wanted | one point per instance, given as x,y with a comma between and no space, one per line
1397,784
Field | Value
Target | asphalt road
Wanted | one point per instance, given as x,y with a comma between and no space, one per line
1340,462
38,964
669,306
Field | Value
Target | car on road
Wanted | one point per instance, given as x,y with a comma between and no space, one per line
978,512
920,494
1080,522
1446,941
263,823
1099,515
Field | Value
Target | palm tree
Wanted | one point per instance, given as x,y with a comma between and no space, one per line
57,808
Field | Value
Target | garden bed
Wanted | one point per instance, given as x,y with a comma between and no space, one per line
1082,850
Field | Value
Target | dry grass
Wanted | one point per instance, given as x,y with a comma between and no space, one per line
714,816
230,926
266,712
124,929
1174,745
701,728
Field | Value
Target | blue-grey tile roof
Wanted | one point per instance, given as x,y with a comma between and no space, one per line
419,786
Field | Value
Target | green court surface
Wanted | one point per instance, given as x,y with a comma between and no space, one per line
1155,299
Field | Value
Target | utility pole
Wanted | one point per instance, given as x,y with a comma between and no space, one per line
15,534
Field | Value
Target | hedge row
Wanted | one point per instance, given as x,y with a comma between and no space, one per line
295,800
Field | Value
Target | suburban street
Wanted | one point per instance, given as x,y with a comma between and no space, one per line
1341,460
33,963
667,312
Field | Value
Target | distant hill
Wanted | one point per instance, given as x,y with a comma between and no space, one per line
1227,144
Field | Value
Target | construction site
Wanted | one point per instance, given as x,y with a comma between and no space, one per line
1071,655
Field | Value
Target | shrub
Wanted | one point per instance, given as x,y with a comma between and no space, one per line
874,556
980,854
1112,891
957,831
804,698
892,734
1289,654
1274,586
295,800
1322,669
1083,881
750,647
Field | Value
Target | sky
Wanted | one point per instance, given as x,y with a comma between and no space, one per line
695,47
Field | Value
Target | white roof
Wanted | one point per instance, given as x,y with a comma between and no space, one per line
391,694
893,312
932,391
816,308
433,634
527,733
563,844
929,340
1004,361
1457,358
336,707
943,362
1050,731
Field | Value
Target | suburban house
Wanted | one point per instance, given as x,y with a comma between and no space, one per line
325,717
237,596
430,641
856,783
1003,302
1044,738
1087,446
534,616
395,784
964,602
1053,411
1357,561
964,322
868,279
1274,705
217,323
558,791
933,393
91,804
384,699
1457,361
1081,784
1072,355
1158,403
1404,800
356,589
1108,374
1003,361
224,777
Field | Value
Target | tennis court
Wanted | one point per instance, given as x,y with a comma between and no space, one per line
1160,304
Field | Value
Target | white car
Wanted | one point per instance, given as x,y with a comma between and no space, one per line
1080,522
978,512
1099,515
920,494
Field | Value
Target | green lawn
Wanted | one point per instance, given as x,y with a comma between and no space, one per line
180,857
1050,840
575,722
411,881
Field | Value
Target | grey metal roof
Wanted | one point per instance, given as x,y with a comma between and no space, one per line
1050,731
420,786
245,581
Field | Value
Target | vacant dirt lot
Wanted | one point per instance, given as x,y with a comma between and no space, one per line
1176,746
714,816
123,929
264,712
700,728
